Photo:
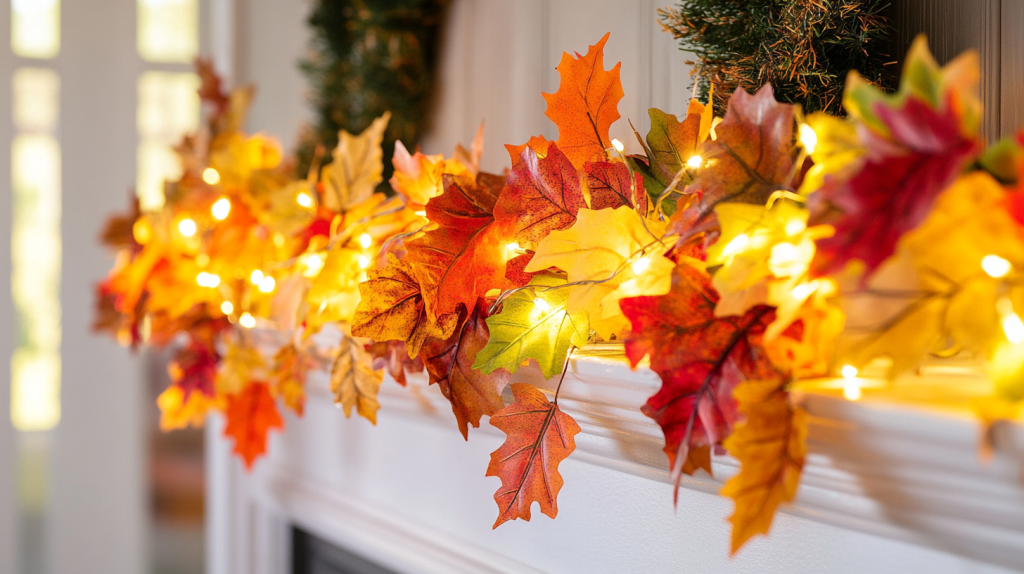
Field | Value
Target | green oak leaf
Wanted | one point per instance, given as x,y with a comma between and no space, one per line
533,324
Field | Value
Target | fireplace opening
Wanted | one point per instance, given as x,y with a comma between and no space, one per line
313,555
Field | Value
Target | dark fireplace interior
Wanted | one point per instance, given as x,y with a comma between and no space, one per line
313,555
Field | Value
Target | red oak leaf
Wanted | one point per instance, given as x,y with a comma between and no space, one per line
251,414
194,368
449,364
895,188
393,357
586,104
541,194
515,271
540,436
700,359
463,258
610,187
751,158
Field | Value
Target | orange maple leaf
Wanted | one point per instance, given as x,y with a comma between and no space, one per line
251,413
540,436
586,104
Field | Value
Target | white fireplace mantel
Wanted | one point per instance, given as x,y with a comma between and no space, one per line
887,488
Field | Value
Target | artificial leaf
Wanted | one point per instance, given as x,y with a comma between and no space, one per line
242,364
194,368
918,143
538,144
471,157
671,143
616,253
251,413
357,167
334,293
610,186
586,104
533,324
391,308
539,437
542,194
700,359
837,150
770,445
288,377
393,357
750,159
353,380
419,177
463,258
179,409
472,393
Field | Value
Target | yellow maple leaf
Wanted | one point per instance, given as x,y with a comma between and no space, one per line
836,149
612,249
178,413
353,382
334,293
357,167
770,445
242,365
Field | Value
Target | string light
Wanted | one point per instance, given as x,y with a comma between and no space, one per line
1013,327
795,227
314,263
247,320
211,176
618,145
808,138
695,161
205,279
365,240
995,266
739,243
267,284
202,260
641,265
227,308
221,208
187,227
849,372
421,213
364,262
257,277
541,305
304,199
851,389
784,258
804,290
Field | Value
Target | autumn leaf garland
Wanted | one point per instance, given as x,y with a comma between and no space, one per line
727,255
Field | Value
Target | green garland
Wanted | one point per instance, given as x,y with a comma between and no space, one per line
805,49
369,57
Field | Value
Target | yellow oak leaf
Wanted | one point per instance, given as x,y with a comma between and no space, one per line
353,381
771,446
357,167
612,249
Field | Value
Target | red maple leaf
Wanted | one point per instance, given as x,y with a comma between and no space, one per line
449,363
586,104
895,188
751,158
609,186
194,368
463,258
251,414
541,194
700,358
393,357
540,436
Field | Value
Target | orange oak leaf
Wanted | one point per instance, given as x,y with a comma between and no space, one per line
700,359
449,364
465,257
391,308
751,158
288,377
586,104
542,193
251,413
771,445
610,187
540,437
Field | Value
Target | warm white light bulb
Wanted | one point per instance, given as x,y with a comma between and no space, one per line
795,227
512,247
247,320
187,227
541,305
227,308
211,176
804,290
739,243
641,265
267,284
364,262
995,266
808,138
365,240
314,262
221,208
618,145
304,199
256,277
205,279
421,213
694,162
1013,327
852,391
849,372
